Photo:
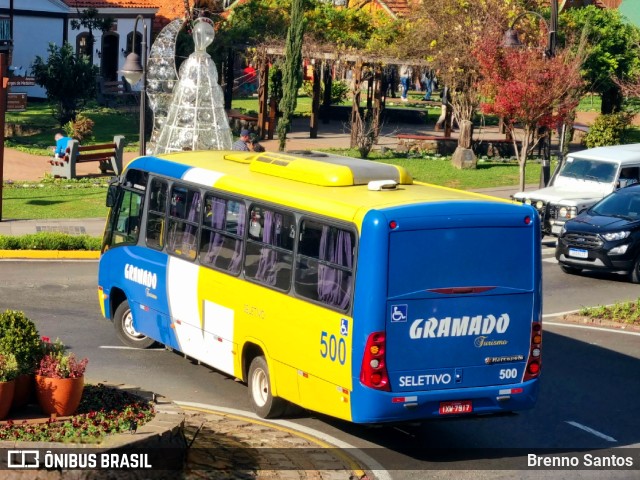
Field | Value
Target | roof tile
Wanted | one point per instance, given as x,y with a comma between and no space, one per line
113,3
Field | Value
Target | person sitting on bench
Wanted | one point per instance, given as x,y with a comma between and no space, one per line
61,144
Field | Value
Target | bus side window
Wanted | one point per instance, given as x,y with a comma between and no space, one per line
184,216
222,237
268,258
324,264
156,216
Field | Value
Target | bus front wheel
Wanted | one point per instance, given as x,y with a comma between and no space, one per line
123,323
264,403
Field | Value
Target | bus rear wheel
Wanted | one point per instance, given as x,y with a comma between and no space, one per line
123,323
262,400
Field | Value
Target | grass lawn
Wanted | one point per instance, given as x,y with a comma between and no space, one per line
38,116
62,199
49,201
86,199
488,174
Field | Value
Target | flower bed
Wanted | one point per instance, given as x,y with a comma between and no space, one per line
103,411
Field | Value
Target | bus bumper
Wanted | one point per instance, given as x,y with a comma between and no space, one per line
373,406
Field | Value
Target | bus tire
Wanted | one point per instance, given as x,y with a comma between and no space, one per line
123,323
263,402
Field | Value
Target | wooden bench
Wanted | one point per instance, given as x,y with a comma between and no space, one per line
108,156
238,121
410,136
115,92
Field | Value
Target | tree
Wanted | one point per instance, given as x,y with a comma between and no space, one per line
529,91
613,50
292,71
69,81
444,32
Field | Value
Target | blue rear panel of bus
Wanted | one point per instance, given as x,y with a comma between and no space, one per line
456,301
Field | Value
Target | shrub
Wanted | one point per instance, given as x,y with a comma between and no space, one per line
49,241
609,129
339,91
19,335
8,367
80,129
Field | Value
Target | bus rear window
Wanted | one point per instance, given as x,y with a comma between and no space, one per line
460,257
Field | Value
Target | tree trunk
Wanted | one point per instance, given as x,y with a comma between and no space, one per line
466,134
611,100
522,156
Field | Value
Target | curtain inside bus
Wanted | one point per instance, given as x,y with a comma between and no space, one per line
334,284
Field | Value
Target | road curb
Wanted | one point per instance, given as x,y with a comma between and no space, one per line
287,447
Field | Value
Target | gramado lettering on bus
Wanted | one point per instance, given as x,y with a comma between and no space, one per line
459,327
140,276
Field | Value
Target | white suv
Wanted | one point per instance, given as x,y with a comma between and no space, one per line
584,178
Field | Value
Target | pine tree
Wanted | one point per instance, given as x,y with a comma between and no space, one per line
291,72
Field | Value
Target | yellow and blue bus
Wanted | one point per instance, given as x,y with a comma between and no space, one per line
333,283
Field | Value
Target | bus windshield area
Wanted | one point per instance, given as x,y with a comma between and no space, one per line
125,216
591,170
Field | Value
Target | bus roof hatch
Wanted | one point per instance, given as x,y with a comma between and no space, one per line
327,170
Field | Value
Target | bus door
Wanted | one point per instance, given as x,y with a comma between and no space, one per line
462,295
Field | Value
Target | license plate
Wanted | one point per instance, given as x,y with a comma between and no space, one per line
578,253
451,408
556,229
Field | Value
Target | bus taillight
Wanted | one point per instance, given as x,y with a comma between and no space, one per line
535,354
373,373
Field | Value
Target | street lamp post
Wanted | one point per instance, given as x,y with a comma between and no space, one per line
511,40
133,70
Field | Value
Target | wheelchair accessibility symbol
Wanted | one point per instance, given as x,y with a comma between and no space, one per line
344,327
399,313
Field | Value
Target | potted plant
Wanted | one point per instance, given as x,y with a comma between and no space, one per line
8,373
19,335
59,379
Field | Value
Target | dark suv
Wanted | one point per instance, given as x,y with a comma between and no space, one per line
606,237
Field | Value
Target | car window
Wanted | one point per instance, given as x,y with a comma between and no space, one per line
593,170
620,204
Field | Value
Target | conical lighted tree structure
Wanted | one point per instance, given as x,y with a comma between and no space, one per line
196,119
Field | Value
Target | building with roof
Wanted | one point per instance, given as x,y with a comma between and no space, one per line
34,24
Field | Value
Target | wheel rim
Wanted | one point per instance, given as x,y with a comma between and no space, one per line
260,387
127,326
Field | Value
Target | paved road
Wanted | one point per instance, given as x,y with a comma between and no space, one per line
586,400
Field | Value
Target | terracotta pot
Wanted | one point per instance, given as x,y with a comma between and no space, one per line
24,390
60,396
6,397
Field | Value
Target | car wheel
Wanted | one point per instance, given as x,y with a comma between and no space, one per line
123,323
635,273
262,400
570,270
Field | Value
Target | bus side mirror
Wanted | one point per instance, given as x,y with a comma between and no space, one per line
112,195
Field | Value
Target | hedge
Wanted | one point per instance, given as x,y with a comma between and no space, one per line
49,241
